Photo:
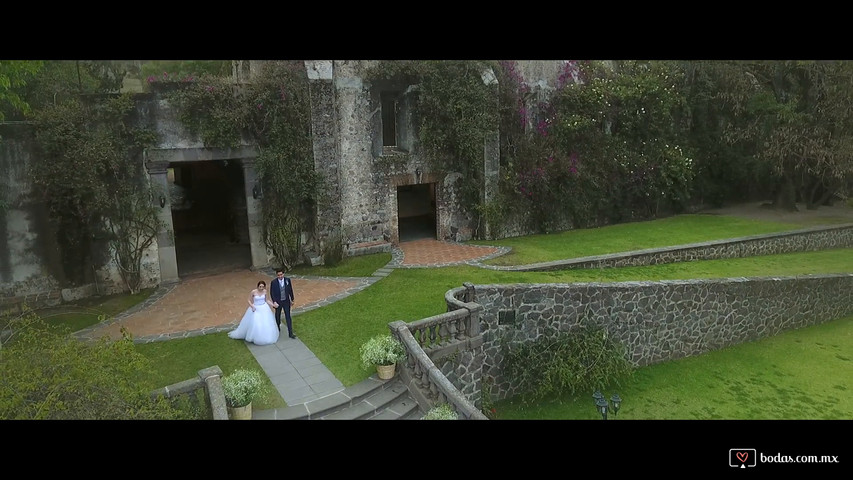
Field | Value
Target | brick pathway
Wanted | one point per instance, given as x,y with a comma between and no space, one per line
434,253
201,305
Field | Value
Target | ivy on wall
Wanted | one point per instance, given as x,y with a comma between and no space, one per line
601,147
279,118
90,177
272,111
456,110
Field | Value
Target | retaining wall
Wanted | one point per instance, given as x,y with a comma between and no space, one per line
657,321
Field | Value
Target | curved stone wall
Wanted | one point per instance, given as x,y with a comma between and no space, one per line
660,320
657,321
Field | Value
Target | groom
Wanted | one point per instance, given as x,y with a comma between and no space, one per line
281,291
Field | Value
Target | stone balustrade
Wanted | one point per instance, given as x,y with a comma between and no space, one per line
452,339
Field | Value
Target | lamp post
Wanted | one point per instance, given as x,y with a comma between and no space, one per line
603,406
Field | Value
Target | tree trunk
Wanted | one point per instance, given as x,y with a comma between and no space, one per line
819,195
785,198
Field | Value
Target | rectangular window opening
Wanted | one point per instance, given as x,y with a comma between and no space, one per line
389,118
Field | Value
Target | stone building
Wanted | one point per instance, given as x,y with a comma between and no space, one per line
365,145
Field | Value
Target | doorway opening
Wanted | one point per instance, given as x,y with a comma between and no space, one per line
209,216
416,215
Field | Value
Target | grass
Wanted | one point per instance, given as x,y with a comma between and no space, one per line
797,375
335,332
89,311
678,230
362,266
178,360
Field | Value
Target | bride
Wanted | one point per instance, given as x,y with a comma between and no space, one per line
258,324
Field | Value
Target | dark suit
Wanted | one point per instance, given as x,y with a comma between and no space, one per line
283,297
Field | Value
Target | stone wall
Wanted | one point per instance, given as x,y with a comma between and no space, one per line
370,173
365,192
30,267
25,252
661,320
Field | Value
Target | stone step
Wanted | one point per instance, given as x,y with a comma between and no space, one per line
403,408
369,399
371,405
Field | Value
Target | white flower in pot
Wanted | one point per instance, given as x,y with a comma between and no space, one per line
441,412
242,386
382,351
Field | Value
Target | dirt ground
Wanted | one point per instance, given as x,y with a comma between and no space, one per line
824,215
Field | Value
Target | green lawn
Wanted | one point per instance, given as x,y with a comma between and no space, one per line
797,375
89,311
709,386
335,332
624,237
180,359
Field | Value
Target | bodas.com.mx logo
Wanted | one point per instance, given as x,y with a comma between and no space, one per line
742,457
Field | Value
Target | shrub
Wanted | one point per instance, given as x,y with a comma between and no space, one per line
582,360
46,374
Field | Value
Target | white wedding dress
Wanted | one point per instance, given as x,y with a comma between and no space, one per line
259,326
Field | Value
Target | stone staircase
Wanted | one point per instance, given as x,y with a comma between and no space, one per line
372,399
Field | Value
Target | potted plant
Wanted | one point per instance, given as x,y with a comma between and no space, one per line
241,387
441,412
383,352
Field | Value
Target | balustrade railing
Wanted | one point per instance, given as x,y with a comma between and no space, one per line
432,335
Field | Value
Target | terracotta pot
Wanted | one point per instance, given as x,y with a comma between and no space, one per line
241,413
385,371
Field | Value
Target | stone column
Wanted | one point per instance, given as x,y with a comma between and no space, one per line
491,155
254,205
325,140
166,233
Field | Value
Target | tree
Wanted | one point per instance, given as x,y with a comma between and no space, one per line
797,117
725,171
14,75
617,143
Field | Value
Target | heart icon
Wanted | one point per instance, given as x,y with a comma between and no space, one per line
742,456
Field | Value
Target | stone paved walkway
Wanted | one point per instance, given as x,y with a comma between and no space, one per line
208,304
